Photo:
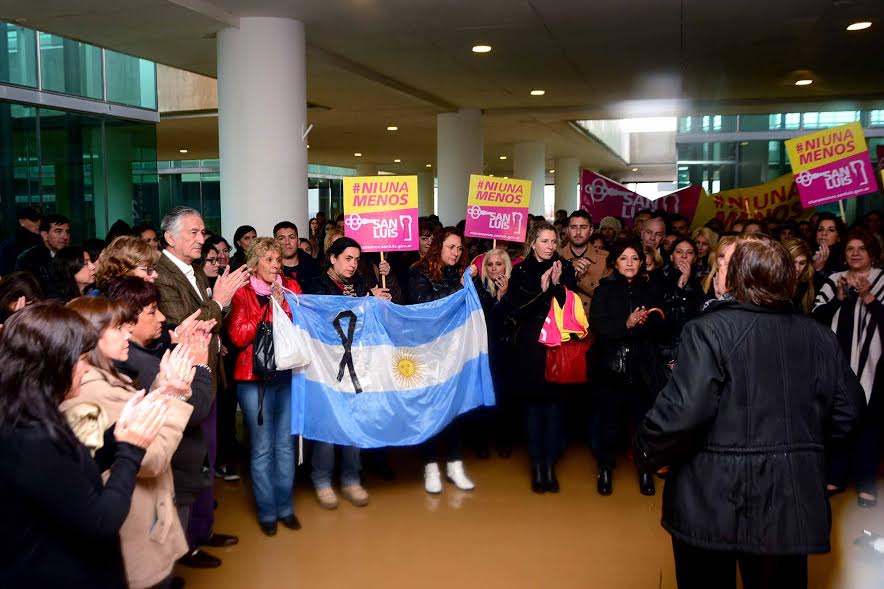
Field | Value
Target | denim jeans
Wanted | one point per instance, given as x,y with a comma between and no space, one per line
272,445
324,464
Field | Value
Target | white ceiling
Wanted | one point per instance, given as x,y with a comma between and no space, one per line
594,58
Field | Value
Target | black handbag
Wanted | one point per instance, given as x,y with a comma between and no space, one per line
263,358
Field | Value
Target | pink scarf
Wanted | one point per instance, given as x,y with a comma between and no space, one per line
262,288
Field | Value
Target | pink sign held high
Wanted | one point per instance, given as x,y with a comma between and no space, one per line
380,212
497,208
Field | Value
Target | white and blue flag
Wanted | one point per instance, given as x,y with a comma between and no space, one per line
388,375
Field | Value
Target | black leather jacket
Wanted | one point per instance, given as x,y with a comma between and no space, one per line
421,289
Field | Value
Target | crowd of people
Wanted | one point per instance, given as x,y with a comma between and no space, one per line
125,361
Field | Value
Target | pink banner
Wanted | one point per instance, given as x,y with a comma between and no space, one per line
383,231
603,197
836,181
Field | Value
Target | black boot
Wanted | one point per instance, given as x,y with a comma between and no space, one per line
646,484
605,484
538,484
550,480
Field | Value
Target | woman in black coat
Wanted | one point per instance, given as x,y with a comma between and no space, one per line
756,396
627,324
439,273
60,524
532,286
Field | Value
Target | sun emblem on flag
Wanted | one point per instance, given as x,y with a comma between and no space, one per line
407,369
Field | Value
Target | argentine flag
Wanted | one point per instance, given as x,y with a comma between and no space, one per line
383,374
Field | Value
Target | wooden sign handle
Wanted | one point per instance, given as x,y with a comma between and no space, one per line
383,276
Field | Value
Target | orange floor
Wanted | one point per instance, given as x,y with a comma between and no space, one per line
499,536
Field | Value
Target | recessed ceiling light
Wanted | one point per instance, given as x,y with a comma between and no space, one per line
492,175
635,169
482,49
357,154
538,92
859,26
392,128
182,151
552,171
503,157
744,143
397,161
506,177
429,165
308,146
804,82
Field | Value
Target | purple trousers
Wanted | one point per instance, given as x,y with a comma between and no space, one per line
202,512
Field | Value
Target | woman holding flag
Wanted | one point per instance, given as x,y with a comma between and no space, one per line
531,288
342,279
436,275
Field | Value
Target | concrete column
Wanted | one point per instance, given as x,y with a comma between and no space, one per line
567,180
366,170
459,154
425,182
262,110
529,163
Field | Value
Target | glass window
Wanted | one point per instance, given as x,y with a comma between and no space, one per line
876,118
130,80
792,121
823,120
18,55
70,67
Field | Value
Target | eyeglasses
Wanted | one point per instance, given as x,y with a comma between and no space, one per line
147,269
211,260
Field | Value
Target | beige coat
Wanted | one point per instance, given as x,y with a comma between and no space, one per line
152,537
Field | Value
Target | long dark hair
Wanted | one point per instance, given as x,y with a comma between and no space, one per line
39,349
66,263
238,234
431,262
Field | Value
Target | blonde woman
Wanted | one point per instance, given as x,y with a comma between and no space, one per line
127,256
492,283
802,258
653,259
706,241
720,256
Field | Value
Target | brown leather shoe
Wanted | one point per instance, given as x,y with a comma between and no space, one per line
327,498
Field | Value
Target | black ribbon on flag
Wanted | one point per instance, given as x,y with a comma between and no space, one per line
347,342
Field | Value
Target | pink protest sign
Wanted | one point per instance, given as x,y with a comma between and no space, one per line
380,212
497,208
831,165
602,197
838,180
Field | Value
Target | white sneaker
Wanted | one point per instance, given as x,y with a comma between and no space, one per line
457,476
432,478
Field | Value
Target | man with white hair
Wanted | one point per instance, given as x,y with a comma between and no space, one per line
184,291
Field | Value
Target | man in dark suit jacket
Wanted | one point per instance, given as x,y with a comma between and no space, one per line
184,290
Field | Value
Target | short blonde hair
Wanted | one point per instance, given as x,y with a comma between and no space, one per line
259,248
330,236
123,256
654,254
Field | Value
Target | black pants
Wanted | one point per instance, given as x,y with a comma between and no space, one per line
451,437
226,427
696,568
858,458
618,406
545,432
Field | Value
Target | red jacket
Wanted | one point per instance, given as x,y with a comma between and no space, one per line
243,323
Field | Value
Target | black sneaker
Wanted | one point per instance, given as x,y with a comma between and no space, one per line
227,473
200,560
